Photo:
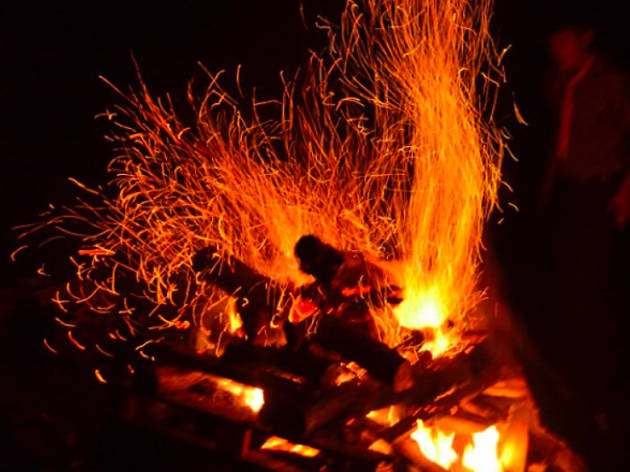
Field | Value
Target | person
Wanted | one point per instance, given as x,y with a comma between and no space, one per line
586,195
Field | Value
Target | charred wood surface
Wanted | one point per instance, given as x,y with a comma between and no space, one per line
350,341
379,360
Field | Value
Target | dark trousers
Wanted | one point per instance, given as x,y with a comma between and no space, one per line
587,310
582,315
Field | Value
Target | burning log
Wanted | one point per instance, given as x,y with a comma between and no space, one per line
256,294
229,274
440,388
344,275
301,363
380,361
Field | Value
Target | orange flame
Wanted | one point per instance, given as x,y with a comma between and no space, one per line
482,455
435,445
253,397
425,59
386,147
275,443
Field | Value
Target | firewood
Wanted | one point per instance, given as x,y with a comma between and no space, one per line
331,405
436,391
344,274
349,341
301,362
380,361
256,295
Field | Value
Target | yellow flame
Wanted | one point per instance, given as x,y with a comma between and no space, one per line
235,321
275,443
384,146
435,445
255,399
482,455
252,397
386,416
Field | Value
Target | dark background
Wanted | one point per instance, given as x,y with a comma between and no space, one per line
52,54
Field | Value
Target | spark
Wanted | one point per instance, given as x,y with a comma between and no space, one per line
49,347
15,253
99,376
64,324
384,145
41,271
75,342
102,351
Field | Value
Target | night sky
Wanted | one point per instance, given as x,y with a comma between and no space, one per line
53,53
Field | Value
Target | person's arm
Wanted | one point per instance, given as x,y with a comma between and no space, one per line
620,203
551,92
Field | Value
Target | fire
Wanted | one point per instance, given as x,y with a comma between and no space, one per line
435,445
422,61
423,310
482,455
253,397
498,448
275,443
385,146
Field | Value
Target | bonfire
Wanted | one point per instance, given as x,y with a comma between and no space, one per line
309,266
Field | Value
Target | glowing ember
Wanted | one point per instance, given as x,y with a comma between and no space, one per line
381,446
275,443
435,445
482,455
385,416
253,397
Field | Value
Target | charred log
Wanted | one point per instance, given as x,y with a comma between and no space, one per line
348,333
379,360
256,294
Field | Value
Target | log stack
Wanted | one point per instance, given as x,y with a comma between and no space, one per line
333,397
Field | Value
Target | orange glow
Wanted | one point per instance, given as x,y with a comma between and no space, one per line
386,416
99,376
385,145
381,446
235,323
275,443
482,455
515,439
486,451
435,445
253,397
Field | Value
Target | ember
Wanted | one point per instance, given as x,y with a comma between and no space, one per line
275,443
